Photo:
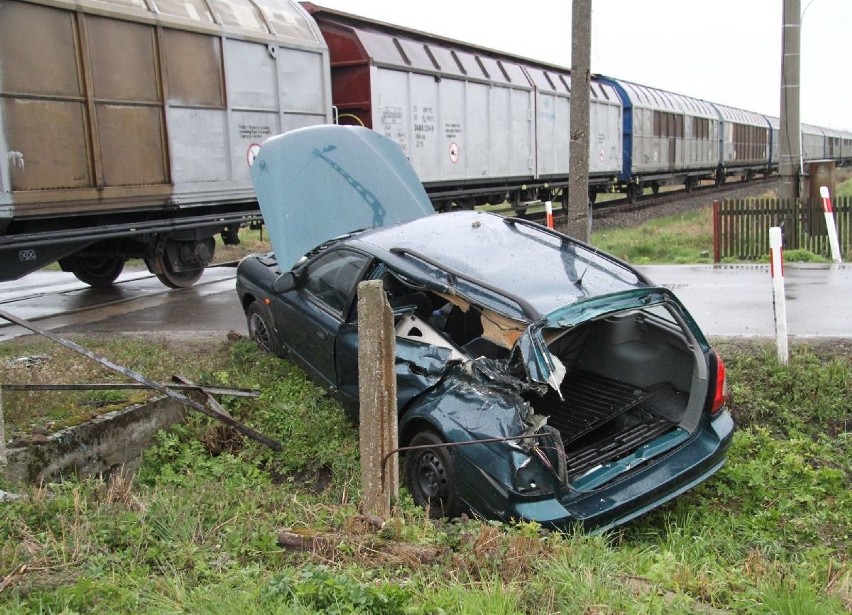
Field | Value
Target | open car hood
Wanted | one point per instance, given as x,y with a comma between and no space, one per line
317,183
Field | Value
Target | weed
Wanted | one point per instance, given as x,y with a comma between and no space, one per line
195,530
322,589
682,238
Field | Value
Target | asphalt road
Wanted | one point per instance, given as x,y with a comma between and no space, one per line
726,300
736,300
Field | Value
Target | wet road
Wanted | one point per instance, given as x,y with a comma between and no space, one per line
727,300
736,300
138,302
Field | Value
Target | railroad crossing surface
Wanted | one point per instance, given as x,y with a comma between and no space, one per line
726,300
736,300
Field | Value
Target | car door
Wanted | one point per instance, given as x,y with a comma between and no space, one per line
312,314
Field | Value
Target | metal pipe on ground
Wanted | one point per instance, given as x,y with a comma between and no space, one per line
243,429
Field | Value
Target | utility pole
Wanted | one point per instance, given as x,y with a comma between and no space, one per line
578,152
790,142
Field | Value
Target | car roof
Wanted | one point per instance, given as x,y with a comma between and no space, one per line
545,269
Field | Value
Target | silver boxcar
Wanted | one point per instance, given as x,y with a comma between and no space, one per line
668,138
745,143
813,142
127,116
552,122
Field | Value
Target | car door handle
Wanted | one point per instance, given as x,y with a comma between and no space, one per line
322,334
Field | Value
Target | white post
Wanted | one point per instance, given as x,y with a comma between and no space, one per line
829,224
548,210
776,259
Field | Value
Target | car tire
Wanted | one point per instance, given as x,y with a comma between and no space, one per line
261,328
430,476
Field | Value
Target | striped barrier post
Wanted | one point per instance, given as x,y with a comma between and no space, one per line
548,209
830,225
776,267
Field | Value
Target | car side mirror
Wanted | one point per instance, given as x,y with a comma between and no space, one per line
285,282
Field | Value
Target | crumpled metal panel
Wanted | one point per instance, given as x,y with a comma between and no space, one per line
418,368
467,405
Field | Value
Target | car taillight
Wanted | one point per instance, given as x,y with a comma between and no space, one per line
720,394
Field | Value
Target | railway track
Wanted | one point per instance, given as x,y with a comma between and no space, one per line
623,205
58,300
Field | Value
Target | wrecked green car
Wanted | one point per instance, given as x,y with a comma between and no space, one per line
504,328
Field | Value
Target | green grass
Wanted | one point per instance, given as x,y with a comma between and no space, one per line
681,238
195,530
844,188
677,239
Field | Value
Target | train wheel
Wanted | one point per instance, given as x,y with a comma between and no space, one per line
96,271
720,180
178,279
634,192
655,188
179,264
689,184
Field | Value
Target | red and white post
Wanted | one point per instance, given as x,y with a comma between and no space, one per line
830,225
776,267
548,209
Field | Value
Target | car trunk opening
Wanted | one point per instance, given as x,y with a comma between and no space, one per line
635,387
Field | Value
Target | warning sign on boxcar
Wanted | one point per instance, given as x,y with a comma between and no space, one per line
251,154
454,153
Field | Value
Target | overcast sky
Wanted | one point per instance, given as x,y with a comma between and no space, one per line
726,51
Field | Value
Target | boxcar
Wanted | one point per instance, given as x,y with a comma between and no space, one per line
668,138
813,143
478,125
745,144
127,128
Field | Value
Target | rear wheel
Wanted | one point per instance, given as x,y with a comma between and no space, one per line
430,477
261,329
94,270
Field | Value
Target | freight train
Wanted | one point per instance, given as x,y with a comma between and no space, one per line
127,127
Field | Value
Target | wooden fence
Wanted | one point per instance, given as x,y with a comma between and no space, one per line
741,227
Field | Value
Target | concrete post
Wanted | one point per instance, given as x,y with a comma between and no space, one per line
578,150
790,135
377,389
